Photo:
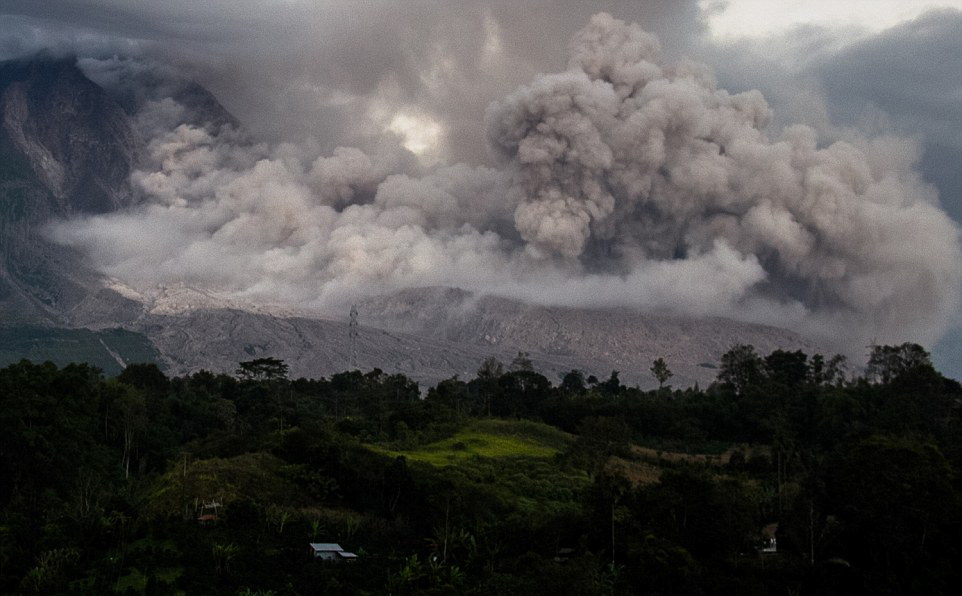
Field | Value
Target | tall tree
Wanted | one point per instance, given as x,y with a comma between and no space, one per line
741,367
661,372
886,363
263,369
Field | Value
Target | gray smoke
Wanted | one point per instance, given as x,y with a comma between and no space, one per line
332,70
624,180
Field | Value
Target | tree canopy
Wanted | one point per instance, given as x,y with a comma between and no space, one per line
502,483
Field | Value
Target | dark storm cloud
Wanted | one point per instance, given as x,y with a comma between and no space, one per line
910,71
905,80
913,75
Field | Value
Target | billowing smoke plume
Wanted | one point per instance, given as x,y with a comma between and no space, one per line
622,181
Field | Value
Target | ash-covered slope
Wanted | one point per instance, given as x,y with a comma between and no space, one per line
428,334
559,339
195,330
312,347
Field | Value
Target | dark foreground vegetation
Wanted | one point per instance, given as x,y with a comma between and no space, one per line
502,484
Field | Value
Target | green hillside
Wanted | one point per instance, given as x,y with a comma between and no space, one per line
105,349
489,439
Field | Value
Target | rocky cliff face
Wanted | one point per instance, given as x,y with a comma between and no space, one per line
66,148
71,137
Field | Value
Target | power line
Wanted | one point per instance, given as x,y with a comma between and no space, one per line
352,326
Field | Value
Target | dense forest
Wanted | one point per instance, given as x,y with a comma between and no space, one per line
788,475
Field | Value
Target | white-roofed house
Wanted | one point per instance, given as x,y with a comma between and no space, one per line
331,551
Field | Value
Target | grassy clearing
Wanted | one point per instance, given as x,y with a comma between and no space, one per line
639,473
645,464
490,439
658,456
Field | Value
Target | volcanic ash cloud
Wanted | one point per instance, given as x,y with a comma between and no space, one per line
624,159
621,181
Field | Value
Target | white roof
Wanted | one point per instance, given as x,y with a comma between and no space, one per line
326,546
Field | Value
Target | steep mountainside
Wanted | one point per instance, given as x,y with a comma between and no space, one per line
66,148
69,135
594,340
428,334
109,350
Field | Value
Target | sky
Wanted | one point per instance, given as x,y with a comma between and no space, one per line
786,162
733,19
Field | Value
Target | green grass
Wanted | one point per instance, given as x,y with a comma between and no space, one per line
531,486
489,439
508,464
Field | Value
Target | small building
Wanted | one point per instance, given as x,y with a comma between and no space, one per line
208,511
330,551
769,541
